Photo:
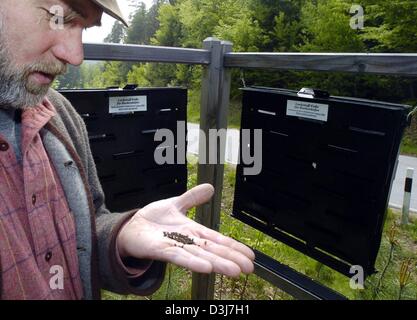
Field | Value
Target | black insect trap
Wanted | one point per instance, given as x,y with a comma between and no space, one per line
121,126
328,165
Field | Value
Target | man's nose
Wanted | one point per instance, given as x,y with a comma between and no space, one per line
69,47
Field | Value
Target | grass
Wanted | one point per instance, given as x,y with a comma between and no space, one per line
193,110
177,284
409,146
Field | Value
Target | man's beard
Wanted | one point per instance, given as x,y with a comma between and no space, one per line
17,90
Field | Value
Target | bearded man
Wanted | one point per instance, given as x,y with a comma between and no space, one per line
57,239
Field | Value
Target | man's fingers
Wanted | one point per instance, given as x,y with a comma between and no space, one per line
216,237
220,265
245,264
199,260
182,258
194,197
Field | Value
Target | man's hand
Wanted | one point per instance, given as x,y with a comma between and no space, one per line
161,231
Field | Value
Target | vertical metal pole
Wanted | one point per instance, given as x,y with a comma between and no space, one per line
215,95
407,196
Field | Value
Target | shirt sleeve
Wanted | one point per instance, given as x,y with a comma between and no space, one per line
126,276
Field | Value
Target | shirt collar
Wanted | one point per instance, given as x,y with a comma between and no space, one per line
34,119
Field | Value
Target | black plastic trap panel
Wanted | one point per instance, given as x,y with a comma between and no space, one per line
328,165
121,125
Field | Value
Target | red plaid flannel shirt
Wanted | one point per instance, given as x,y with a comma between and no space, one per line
37,230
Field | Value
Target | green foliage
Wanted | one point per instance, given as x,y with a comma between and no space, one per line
285,33
199,18
90,74
117,33
409,143
409,147
243,31
109,76
280,22
392,26
327,28
137,75
72,79
170,27
193,112
142,27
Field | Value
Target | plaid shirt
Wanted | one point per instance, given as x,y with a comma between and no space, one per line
37,231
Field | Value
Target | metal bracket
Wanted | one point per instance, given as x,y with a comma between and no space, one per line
291,281
313,93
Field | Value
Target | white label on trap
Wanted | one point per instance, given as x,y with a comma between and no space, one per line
128,104
309,110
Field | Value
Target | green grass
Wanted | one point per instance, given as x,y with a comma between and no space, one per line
235,114
409,146
193,110
254,288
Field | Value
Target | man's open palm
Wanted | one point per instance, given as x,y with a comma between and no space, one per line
161,231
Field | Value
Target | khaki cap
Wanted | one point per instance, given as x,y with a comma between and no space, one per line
112,8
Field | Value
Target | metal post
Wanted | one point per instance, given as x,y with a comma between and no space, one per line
215,95
407,196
